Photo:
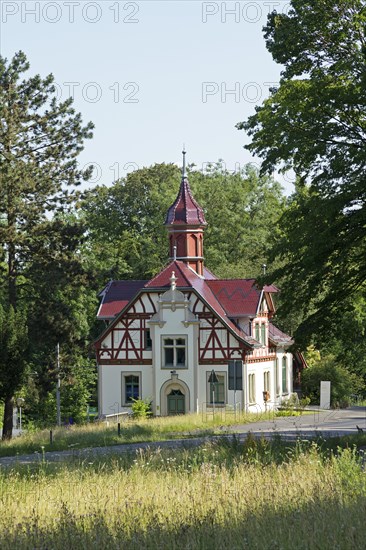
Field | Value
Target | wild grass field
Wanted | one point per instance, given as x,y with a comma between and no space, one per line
132,431
255,495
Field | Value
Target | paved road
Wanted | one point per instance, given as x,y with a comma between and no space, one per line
325,423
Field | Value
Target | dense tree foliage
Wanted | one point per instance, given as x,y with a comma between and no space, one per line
40,270
127,238
344,383
13,348
315,123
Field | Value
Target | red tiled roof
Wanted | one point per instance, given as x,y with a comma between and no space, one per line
277,336
237,296
115,296
187,277
208,275
162,279
227,298
270,288
185,210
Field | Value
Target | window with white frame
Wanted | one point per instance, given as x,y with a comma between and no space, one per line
174,350
251,385
217,392
131,387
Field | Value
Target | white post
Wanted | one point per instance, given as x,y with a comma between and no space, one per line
325,394
245,388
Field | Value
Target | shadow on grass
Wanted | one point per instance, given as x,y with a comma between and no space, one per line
324,524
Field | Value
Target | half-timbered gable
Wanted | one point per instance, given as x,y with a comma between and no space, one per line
127,337
164,337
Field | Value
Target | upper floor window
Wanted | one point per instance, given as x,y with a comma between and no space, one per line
263,334
148,341
257,332
175,352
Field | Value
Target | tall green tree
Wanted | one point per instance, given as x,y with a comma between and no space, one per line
242,210
315,124
40,140
13,347
127,237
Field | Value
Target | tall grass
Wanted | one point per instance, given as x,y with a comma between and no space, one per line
252,495
132,431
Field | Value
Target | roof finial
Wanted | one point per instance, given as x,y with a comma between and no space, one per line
184,172
173,281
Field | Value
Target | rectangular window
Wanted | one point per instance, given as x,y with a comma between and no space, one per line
278,389
131,387
284,374
263,334
175,352
217,391
266,381
148,341
251,388
257,332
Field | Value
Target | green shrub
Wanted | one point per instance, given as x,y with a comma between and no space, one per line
290,402
343,382
141,408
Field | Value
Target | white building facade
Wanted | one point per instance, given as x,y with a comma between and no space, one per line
173,340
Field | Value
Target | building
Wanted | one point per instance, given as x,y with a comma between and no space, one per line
187,340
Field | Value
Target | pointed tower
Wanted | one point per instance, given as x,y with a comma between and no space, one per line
185,222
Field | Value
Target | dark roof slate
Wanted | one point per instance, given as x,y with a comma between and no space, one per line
116,295
185,210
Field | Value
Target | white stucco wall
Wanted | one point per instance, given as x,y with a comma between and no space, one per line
157,381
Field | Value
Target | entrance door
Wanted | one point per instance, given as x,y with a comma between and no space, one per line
176,403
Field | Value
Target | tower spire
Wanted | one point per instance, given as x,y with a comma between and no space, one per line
184,172
185,222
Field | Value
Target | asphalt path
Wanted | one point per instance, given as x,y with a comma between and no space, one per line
315,423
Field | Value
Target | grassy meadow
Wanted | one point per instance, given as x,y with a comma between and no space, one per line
132,431
256,494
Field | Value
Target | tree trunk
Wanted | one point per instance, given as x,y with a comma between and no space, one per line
8,418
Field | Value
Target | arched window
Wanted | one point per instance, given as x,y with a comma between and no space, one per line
263,334
284,374
251,388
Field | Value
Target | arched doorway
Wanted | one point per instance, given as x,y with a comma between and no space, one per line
176,402
174,397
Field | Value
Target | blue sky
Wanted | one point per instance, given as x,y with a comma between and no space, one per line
151,75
